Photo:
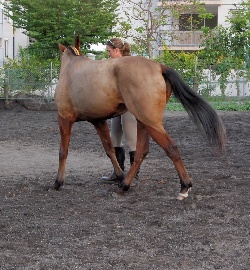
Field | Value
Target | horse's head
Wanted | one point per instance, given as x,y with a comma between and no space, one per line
75,50
72,50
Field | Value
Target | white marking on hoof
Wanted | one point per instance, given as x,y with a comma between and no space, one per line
182,196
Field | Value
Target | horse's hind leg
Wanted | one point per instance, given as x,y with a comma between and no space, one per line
104,134
142,147
169,146
65,131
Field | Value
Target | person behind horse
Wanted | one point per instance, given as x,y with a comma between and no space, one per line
124,124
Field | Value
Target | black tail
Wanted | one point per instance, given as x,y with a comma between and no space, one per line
204,116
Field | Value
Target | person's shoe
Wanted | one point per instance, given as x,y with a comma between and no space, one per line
120,156
112,178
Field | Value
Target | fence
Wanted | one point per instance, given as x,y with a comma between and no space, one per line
19,83
236,84
41,82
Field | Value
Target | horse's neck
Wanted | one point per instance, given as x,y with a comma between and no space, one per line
71,60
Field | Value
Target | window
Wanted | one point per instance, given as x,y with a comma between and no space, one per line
188,22
6,48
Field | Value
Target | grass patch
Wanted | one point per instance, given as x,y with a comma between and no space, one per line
218,103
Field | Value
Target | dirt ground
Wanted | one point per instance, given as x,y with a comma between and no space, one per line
87,226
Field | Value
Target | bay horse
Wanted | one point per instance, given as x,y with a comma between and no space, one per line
96,90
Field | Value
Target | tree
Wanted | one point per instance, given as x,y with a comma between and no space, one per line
143,19
227,48
186,63
49,22
240,32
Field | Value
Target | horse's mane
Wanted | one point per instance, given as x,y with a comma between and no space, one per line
74,50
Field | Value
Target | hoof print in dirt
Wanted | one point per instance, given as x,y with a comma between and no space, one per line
46,188
116,191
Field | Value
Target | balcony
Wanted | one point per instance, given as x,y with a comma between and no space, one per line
183,41
211,2
183,2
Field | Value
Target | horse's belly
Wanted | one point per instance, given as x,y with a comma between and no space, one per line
98,110
101,114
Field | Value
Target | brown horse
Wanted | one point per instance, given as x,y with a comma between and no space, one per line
94,91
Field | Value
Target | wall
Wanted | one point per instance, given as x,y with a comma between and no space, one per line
11,38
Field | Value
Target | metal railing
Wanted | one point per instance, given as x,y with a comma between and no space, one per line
186,2
41,83
186,38
17,82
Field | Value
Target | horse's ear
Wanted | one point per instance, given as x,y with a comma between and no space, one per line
61,47
77,44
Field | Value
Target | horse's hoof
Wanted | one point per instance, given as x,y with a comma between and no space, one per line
46,188
125,187
57,185
182,196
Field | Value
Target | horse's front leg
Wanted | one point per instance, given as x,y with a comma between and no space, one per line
103,131
142,148
65,132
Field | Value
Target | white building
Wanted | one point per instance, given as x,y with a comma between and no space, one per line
10,39
181,37
189,40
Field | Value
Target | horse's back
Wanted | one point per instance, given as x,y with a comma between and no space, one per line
105,88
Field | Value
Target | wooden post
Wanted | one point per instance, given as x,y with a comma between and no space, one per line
6,92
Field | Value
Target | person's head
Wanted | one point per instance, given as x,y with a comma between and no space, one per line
117,48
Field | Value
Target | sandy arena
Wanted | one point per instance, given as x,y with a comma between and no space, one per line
87,226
